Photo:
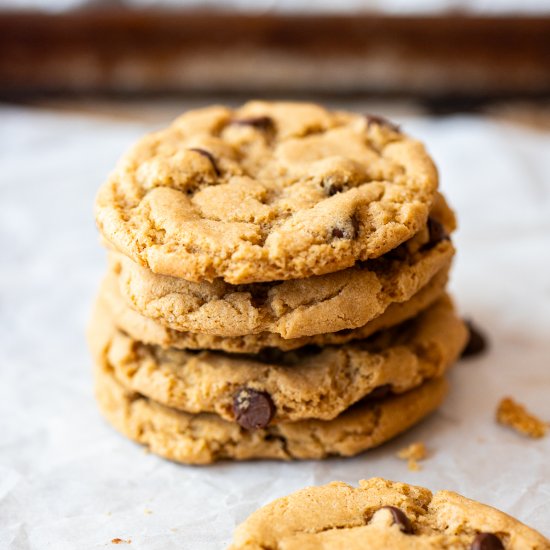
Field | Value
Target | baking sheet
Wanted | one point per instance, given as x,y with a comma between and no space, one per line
495,7
67,480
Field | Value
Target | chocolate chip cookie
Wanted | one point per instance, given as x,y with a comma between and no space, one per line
302,307
205,438
265,192
146,330
380,515
310,382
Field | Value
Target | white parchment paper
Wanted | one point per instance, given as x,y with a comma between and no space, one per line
68,481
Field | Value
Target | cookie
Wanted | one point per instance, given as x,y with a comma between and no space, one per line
269,191
148,331
206,438
302,307
310,382
382,514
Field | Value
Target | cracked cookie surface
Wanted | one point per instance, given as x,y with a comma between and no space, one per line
310,382
382,514
302,307
146,330
269,191
206,438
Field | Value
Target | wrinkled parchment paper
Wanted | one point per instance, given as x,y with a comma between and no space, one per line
67,480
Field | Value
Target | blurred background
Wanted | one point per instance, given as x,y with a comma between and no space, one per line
442,55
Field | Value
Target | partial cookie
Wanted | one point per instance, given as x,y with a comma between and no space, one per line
303,307
382,515
276,386
206,438
269,191
148,331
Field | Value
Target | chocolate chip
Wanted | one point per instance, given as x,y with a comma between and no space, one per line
332,188
264,123
381,121
436,230
400,519
477,342
333,184
253,409
209,156
380,392
487,541
437,233
348,232
259,293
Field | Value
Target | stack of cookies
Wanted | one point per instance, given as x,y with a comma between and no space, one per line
276,285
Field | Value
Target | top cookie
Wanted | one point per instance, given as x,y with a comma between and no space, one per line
382,514
269,191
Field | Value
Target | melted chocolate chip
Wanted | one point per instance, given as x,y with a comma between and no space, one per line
259,294
332,188
477,342
437,230
348,232
487,541
381,121
260,122
437,233
253,409
332,185
400,519
209,156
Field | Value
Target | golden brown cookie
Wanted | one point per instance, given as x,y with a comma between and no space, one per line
206,438
293,309
141,328
302,307
275,386
269,191
382,515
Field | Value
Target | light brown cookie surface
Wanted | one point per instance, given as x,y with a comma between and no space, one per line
146,330
310,382
379,515
206,438
269,191
302,307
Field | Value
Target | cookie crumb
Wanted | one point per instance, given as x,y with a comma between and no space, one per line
147,512
120,541
413,453
516,416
